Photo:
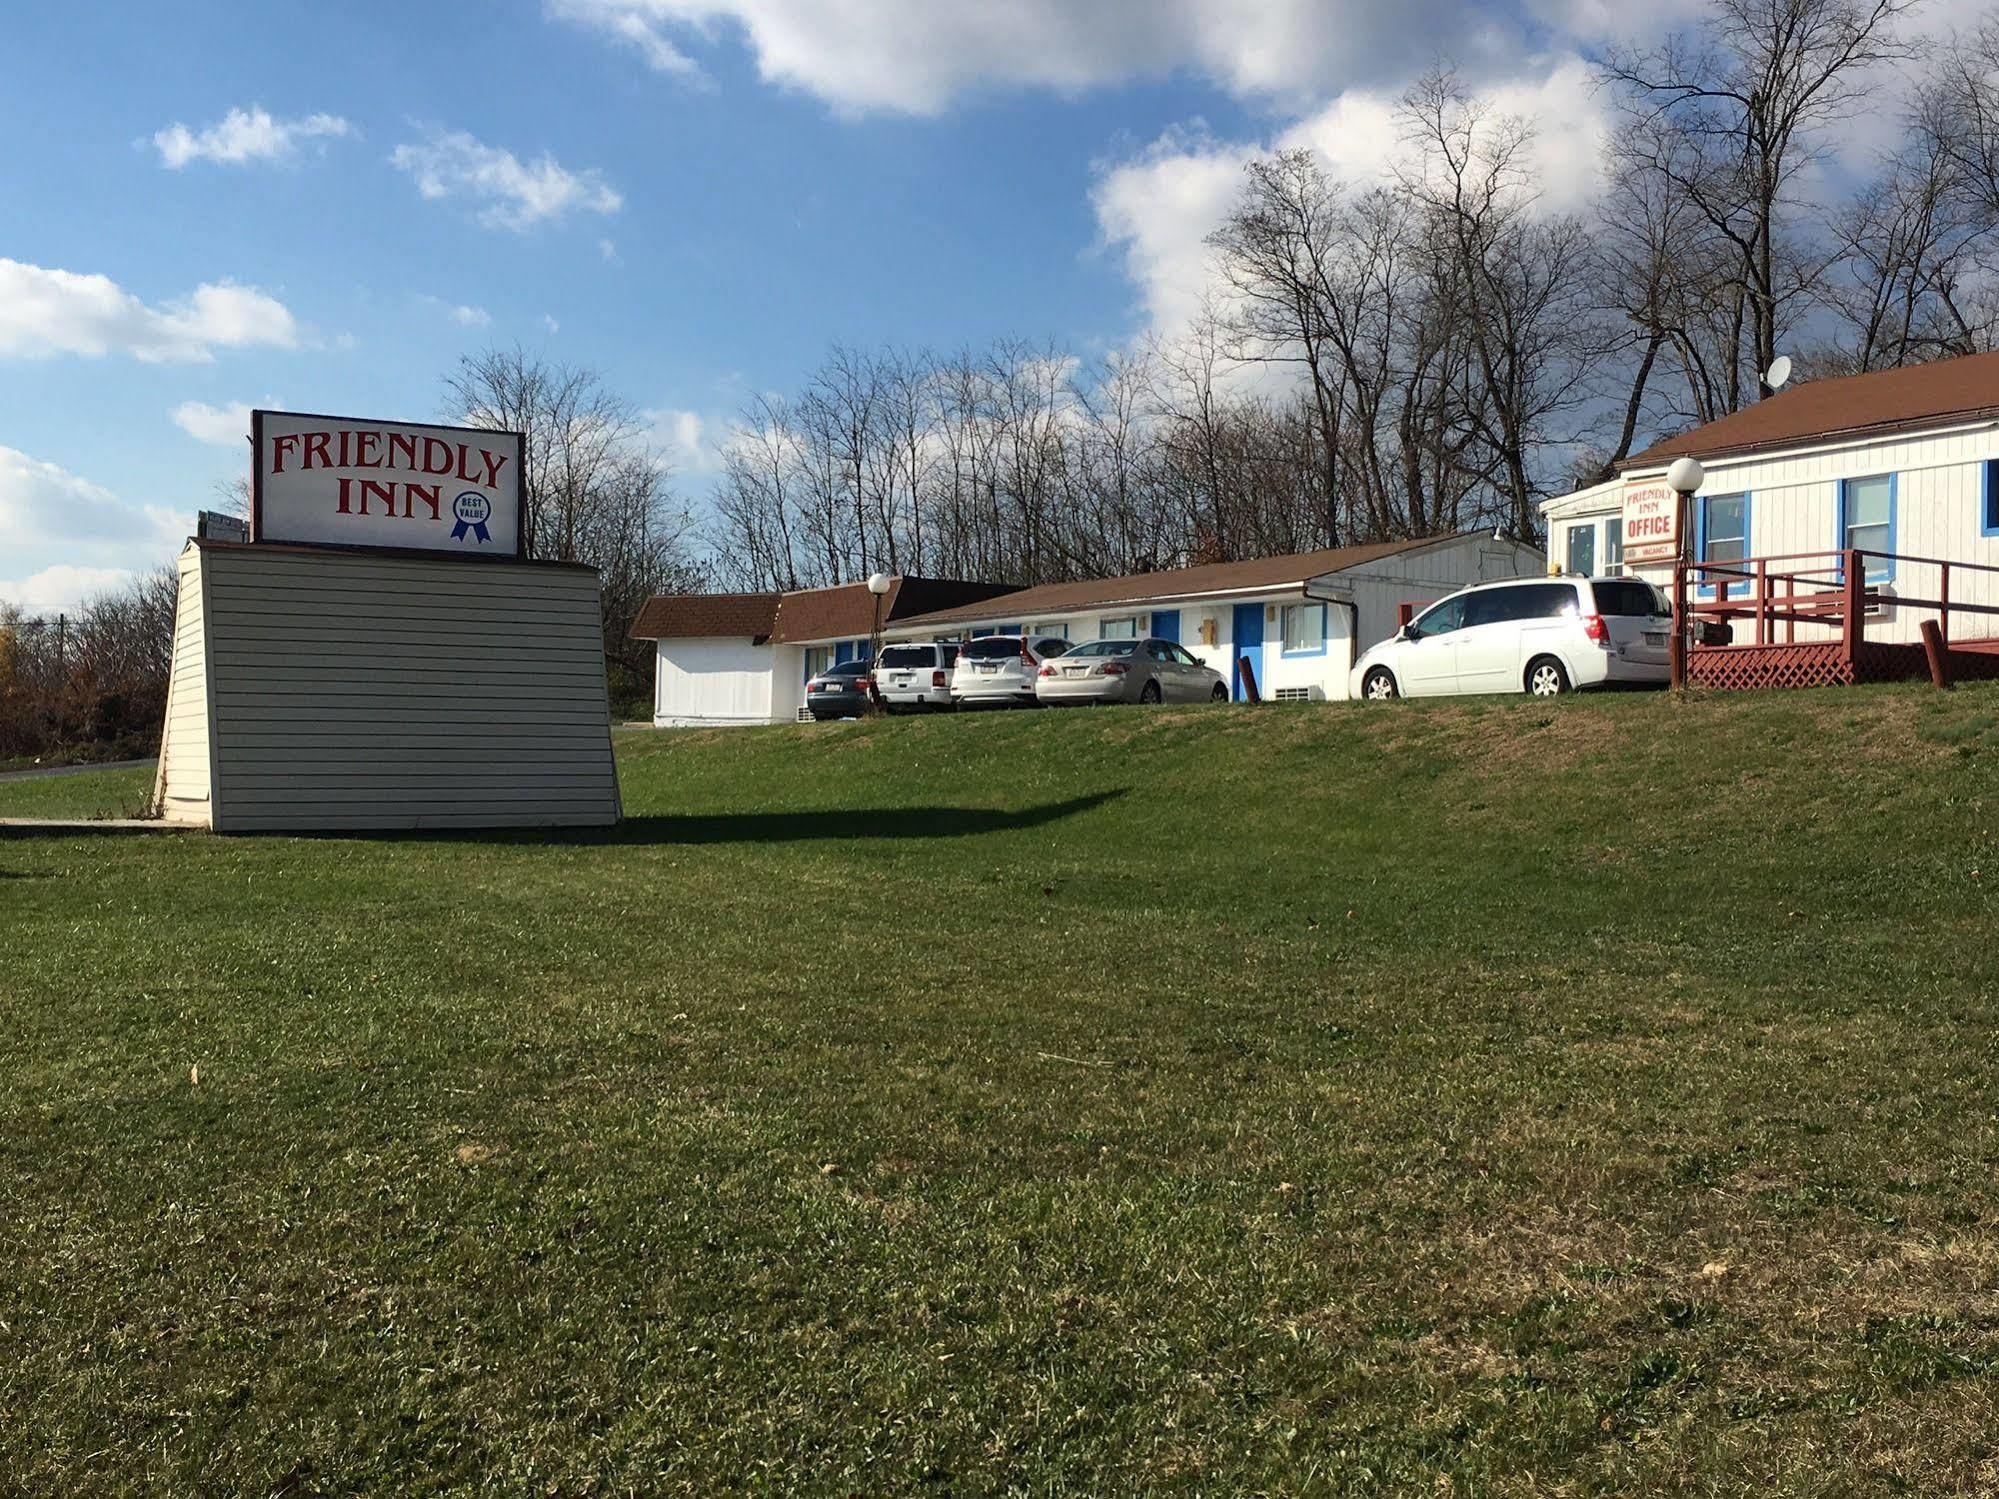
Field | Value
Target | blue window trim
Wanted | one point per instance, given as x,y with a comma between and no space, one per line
1319,650
1882,572
1988,499
1737,587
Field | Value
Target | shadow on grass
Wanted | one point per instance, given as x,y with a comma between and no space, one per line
693,829
688,829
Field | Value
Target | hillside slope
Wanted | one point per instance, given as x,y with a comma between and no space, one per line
1504,1097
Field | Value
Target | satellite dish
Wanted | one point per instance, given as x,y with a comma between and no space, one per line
1779,372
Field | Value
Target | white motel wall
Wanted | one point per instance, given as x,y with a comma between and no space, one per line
1942,504
713,681
324,689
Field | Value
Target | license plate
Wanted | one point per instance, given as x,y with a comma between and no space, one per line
1075,671
988,670
1655,637
899,681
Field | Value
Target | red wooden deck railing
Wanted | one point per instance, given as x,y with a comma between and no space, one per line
1828,589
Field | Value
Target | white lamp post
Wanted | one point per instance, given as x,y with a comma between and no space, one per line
1684,478
878,585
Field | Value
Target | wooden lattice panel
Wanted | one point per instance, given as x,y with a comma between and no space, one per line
1734,668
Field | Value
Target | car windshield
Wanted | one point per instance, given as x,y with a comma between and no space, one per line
1105,648
992,648
1629,596
908,655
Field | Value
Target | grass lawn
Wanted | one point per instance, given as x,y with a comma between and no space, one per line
1497,1098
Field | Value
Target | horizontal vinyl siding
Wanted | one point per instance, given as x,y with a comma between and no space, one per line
183,779
368,692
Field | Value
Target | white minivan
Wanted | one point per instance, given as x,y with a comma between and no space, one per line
1538,635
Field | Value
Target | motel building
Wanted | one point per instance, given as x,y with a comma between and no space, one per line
1301,621
744,658
1898,469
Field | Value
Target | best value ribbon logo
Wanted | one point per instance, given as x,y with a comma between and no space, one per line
473,511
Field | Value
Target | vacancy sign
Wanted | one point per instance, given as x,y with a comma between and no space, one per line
339,481
1651,523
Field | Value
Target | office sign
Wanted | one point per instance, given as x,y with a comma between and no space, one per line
341,481
1651,523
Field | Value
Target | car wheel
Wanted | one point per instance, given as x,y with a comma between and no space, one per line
1379,685
1546,678
1149,693
1219,695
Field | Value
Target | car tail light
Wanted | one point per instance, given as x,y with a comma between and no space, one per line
864,684
1596,629
1046,671
937,679
1113,668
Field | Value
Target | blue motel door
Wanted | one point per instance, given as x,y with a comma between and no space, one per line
1166,624
1246,639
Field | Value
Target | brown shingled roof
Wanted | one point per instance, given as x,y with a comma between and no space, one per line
1052,600
843,611
1853,405
673,616
848,609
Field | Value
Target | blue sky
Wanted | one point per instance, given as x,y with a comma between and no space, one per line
694,198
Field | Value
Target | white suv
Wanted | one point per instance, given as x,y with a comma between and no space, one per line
1538,635
915,677
1000,669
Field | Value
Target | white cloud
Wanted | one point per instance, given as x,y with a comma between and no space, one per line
632,27
683,437
471,317
916,56
224,426
62,589
47,312
244,136
609,250
549,322
1157,208
75,537
512,194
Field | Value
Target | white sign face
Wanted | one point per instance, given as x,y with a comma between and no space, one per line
336,481
1651,523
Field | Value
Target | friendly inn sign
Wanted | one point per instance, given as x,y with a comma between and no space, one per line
339,481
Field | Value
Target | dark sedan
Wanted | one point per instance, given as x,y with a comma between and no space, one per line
841,691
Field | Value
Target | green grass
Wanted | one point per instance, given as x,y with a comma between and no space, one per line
86,794
1498,1098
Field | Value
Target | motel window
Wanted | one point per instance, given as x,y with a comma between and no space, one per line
817,659
1059,627
1613,547
1867,520
1988,507
1582,548
1724,538
1124,628
1304,629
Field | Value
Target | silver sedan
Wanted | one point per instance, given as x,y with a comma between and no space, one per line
1128,671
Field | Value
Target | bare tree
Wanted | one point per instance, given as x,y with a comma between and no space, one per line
1728,117
595,491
